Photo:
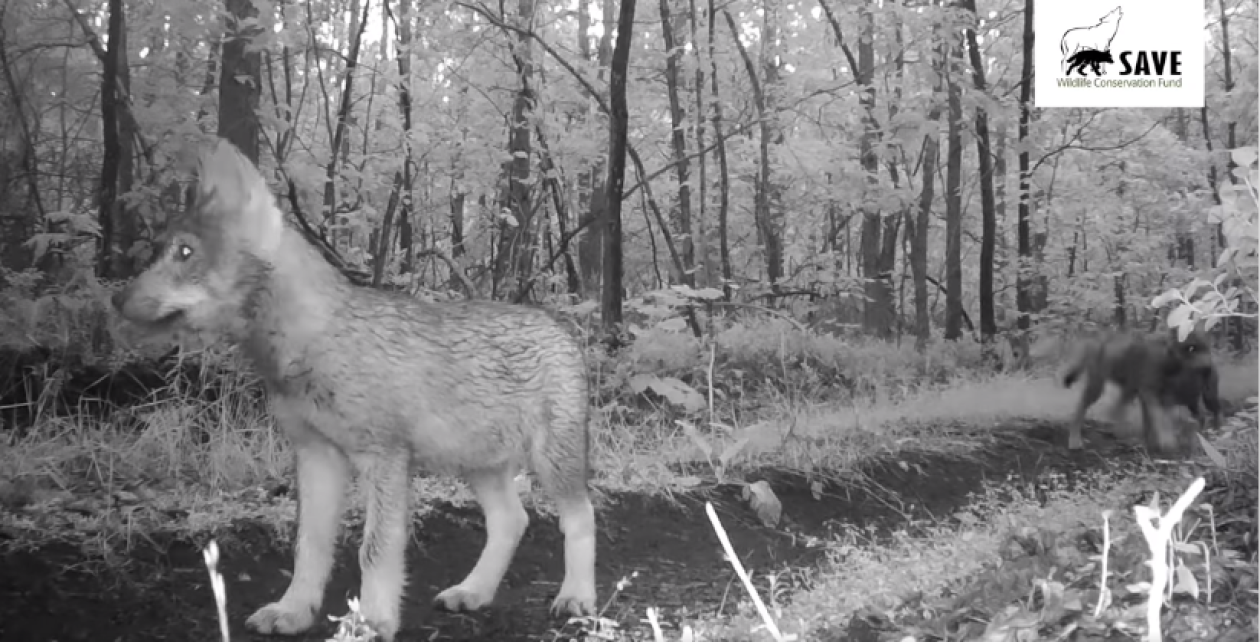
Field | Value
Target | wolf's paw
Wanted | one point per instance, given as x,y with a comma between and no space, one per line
279,618
577,602
460,598
1075,442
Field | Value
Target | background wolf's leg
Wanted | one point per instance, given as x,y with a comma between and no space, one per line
1211,396
322,475
1161,434
506,521
1090,393
383,553
1116,414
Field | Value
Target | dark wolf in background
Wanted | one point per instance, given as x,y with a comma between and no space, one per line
1142,367
379,383
1198,390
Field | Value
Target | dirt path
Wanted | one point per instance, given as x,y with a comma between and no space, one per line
161,592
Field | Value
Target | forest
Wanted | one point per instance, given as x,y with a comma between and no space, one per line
825,260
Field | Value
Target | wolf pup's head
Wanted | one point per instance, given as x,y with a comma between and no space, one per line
210,260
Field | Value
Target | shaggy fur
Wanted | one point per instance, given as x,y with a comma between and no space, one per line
378,383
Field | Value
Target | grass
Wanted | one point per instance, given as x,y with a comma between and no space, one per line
774,398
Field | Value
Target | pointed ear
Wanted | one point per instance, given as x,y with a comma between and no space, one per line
231,187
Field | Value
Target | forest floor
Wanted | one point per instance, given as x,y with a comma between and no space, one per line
957,514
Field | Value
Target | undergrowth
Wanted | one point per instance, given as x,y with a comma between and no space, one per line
194,417
197,449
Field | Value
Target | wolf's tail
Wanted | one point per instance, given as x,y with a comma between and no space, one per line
1075,366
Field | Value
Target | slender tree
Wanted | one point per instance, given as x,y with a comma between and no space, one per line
618,130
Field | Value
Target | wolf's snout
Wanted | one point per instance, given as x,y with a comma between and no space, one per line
119,299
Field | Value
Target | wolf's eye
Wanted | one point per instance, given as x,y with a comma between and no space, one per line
183,252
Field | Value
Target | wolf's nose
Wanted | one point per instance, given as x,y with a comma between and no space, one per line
118,299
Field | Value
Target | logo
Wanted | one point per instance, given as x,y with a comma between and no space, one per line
1131,54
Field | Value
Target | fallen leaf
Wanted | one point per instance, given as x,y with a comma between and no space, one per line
764,502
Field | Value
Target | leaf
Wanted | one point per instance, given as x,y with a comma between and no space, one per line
1167,297
697,439
1184,330
678,393
708,294
1243,156
816,490
1195,285
1180,316
1212,453
688,481
732,449
675,324
1185,582
764,502
640,382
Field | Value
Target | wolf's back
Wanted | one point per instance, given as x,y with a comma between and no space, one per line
465,384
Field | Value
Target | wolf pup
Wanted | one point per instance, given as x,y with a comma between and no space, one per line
1142,367
378,382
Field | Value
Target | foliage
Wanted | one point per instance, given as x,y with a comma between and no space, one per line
1204,301
1105,189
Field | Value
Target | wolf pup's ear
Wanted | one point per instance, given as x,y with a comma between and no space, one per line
231,186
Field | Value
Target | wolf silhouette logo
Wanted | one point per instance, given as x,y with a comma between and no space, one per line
1090,46
1088,58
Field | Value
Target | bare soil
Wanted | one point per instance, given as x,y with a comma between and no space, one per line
160,591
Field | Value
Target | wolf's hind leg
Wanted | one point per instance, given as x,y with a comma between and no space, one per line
506,521
322,474
577,522
1090,393
561,464
383,554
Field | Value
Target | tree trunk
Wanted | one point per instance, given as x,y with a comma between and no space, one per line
919,237
771,141
115,56
516,239
766,227
338,149
678,140
705,274
918,232
988,227
213,71
587,252
618,127
400,193
1001,258
1231,127
878,296
724,176
240,79
1023,295
953,200
591,242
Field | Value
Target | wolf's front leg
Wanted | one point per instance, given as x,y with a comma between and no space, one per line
506,521
322,473
382,556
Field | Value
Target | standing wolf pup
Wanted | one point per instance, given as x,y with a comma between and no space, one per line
1148,369
378,382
